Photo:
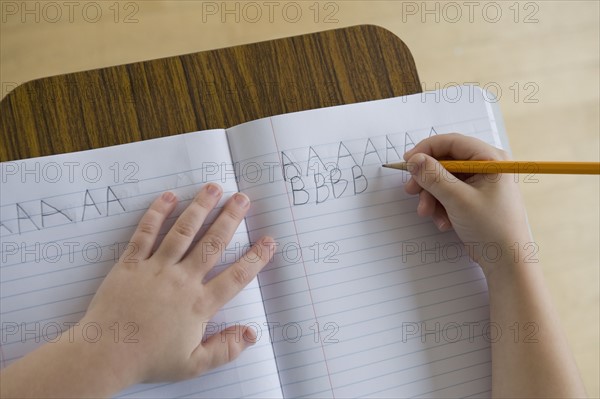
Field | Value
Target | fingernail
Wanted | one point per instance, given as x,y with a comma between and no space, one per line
168,196
241,199
213,189
249,336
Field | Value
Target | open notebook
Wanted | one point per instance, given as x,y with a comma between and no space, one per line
363,298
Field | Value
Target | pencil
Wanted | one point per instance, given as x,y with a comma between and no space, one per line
530,167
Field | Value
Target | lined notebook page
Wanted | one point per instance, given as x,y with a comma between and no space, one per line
365,298
53,264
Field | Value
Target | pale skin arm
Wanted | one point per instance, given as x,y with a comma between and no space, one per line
164,295
489,209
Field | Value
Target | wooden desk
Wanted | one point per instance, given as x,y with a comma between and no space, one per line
212,89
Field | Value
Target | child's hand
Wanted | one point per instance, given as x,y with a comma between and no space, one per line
484,210
161,296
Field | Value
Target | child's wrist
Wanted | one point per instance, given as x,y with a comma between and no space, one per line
92,344
508,269
508,255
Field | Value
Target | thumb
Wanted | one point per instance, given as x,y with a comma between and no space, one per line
434,178
226,346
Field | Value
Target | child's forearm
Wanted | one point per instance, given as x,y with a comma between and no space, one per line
68,368
531,357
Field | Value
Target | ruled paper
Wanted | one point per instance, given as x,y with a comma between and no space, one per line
64,220
365,298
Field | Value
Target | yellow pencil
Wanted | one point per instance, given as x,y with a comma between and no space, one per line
531,167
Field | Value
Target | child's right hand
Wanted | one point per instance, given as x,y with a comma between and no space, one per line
485,210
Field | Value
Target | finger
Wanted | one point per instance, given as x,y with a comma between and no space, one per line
427,204
456,146
179,238
440,218
147,230
411,187
207,251
223,347
232,280
431,176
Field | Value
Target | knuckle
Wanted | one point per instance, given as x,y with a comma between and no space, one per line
202,202
185,229
216,241
155,213
148,228
241,276
150,222
231,214
179,282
